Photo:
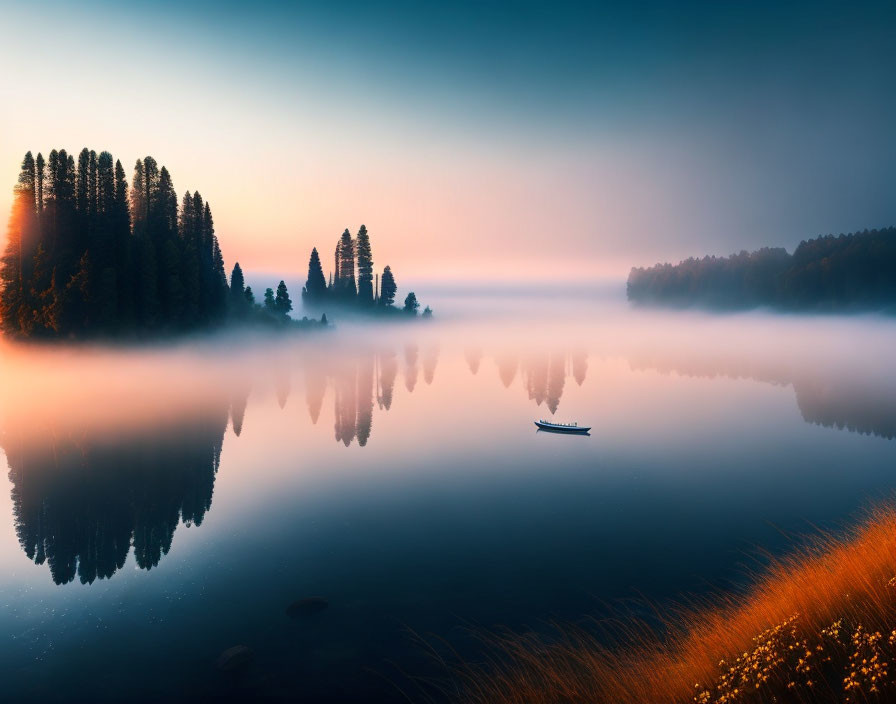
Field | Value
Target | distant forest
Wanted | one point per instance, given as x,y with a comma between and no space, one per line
832,273
352,281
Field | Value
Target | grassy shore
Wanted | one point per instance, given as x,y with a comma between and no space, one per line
817,626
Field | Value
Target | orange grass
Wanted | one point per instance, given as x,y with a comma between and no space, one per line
815,626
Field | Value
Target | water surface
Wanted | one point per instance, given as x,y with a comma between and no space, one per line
166,504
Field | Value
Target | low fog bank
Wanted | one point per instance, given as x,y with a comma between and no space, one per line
824,358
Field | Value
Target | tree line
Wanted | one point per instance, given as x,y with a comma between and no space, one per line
87,254
274,308
845,272
353,282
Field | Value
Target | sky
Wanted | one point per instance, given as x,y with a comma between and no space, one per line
477,141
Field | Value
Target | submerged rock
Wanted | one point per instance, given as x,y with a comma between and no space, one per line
307,607
235,658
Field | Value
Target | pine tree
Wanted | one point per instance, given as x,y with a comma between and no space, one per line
269,303
365,268
163,231
348,291
316,285
143,188
250,296
219,290
121,227
61,235
282,302
190,231
138,198
410,304
337,283
40,175
81,186
237,290
87,239
104,293
388,288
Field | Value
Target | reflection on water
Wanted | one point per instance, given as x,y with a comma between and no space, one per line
395,472
859,399
81,499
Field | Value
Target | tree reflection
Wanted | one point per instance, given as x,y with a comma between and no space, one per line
843,396
430,360
544,372
579,364
388,362
474,357
82,497
239,399
507,365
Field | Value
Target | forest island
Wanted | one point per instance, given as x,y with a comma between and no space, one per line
90,256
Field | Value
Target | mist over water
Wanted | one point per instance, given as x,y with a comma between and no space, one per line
167,503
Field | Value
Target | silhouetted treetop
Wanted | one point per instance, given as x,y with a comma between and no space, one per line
364,292
365,268
387,288
282,302
316,285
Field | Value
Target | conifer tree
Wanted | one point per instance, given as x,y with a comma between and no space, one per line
337,283
81,187
250,296
189,228
388,288
237,283
163,230
269,303
40,175
143,188
348,291
62,240
365,268
410,304
121,226
282,302
104,293
218,288
316,285
138,199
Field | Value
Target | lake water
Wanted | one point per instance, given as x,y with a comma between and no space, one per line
166,504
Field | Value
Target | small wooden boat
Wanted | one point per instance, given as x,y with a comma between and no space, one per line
561,427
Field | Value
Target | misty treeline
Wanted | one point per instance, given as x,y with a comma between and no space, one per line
845,272
274,308
88,255
353,282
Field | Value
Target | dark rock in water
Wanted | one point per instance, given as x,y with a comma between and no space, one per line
235,658
306,607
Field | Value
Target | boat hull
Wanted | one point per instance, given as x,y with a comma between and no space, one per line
570,429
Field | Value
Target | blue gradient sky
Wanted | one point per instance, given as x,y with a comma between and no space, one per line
547,136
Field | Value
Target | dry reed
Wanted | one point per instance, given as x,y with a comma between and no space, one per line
815,626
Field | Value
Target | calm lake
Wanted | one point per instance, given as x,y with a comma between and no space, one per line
166,504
